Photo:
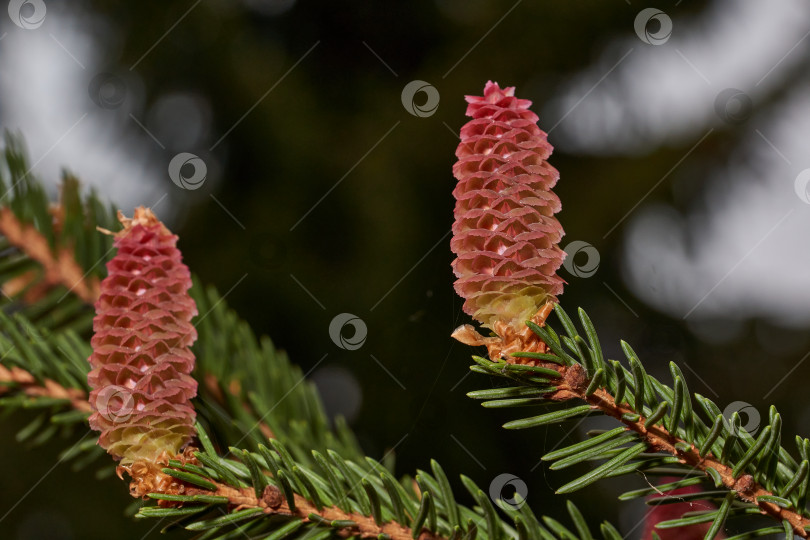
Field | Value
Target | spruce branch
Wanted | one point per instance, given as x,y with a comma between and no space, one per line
270,501
46,368
574,386
44,373
339,498
59,267
657,421
293,492
19,380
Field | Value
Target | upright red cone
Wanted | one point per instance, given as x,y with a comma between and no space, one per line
141,382
505,234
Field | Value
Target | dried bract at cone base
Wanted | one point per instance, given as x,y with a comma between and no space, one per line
148,476
141,383
506,339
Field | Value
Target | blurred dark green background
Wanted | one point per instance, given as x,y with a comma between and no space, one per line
327,197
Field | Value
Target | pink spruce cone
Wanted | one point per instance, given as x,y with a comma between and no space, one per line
505,234
141,383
